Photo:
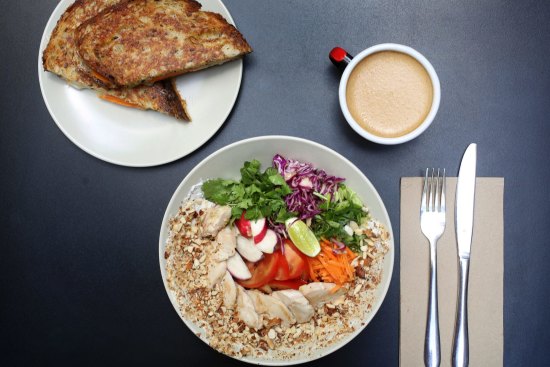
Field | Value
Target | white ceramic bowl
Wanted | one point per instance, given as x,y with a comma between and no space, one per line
226,163
398,48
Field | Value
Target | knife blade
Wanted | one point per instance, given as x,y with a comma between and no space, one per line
464,223
465,193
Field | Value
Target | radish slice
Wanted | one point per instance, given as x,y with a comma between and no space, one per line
267,245
244,226
257,226
246,249
260,236
238,268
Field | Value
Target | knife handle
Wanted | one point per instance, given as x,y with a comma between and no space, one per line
460,343
432,350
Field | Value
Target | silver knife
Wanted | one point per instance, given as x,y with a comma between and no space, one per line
464,217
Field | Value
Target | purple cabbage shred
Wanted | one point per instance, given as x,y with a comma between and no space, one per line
278,228
305,180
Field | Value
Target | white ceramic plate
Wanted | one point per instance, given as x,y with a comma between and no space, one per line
131,137
226,163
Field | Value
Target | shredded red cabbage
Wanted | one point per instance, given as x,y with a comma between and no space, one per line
279,229
340,247
305,180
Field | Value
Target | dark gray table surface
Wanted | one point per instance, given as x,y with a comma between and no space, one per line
79,279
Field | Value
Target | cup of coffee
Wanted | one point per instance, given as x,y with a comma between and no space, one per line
389,93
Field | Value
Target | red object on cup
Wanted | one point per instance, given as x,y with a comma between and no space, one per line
340,57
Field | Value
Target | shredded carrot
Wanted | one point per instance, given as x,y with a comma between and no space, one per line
332,267
100,77
117,100
166,76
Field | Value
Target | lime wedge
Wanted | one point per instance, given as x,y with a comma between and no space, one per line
303,237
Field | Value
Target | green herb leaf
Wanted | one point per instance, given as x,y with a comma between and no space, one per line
336,214
274,177
261,194
250,171
219,191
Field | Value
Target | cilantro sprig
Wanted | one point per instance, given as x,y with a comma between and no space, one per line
336,213
261,194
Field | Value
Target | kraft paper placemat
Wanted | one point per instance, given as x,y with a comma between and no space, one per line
485,298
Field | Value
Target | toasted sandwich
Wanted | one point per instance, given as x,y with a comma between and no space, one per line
61,57
143,41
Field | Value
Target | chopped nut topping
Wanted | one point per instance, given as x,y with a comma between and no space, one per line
188,256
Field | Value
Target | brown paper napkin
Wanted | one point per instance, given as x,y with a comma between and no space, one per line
485,296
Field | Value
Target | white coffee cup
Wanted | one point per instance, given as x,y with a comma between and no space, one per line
345,61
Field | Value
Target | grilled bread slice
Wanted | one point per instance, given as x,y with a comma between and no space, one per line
61,57
161,96
143,41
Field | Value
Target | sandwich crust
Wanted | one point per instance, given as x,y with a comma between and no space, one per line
61,58
143,41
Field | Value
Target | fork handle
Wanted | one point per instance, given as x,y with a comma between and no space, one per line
432,353
460,343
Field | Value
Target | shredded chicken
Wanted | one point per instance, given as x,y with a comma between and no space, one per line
226,242
271,307
318,293
229,289
215,219
296,303
246,311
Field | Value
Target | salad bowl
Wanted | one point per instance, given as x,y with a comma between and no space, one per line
226,163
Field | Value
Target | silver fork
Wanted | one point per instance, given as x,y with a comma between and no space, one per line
432,223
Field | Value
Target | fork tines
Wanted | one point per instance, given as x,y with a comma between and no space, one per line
433,195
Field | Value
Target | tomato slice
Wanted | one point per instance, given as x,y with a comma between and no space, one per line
262,272
286,284
296,261
283,270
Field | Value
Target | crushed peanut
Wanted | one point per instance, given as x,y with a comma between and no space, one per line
187,257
